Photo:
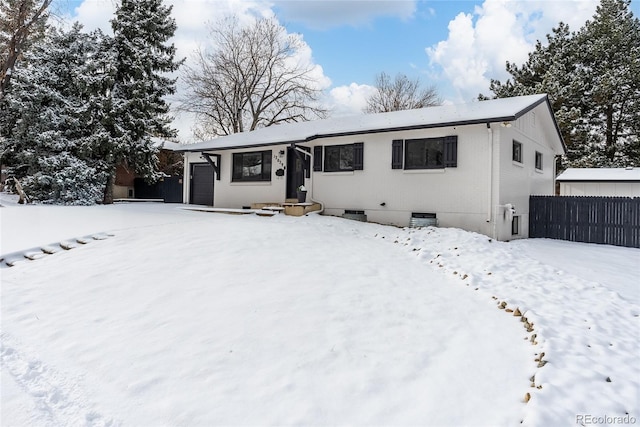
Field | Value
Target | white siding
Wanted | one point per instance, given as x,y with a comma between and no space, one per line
456,195
228,194
517,181
470,196
617,189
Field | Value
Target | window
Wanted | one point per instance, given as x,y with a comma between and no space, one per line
517,152
254,166
538,160
427,153
515,226
341,158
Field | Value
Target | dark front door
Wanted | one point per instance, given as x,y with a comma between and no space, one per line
295,171
202,178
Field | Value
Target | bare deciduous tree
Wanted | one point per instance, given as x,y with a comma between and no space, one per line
19,20
253,78
400,94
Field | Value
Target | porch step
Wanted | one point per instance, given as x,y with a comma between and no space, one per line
290,207
300,209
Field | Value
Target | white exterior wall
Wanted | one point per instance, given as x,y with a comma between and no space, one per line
517,181
458,196
228,194
612,189
468,196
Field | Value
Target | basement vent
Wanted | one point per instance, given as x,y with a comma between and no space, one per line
420,219
355,215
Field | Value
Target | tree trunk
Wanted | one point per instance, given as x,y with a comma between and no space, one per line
610,148
23,196
108,189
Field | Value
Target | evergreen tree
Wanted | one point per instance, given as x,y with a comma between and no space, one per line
608,51
138,109
593,81
52,118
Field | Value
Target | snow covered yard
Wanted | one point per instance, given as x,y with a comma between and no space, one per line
191,318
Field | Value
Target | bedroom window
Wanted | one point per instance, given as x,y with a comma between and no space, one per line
425,153
517,152
343,158
253,166
538,160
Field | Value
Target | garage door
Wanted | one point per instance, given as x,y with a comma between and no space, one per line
201,184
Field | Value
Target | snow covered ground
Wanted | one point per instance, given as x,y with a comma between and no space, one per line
178,317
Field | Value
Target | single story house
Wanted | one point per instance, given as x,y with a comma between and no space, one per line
617,182
471,166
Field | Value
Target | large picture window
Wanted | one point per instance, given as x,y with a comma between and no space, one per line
426,153
254,166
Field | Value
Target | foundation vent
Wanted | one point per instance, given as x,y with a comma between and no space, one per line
421,219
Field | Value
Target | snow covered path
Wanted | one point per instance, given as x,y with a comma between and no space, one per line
227,320
587,324
191,318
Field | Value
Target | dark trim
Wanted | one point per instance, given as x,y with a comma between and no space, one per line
266,154
440,140
450,151
338,148
215,166
397,154
306,161
535,161
362,132
317,158
513,151
358,156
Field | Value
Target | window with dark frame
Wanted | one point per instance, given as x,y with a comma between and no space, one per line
338,158
424,153
515,226
538,160
517,152
253,166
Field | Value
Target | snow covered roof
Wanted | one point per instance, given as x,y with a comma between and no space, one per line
165,144
600,174
491,111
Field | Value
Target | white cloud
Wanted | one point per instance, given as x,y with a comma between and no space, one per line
479,44
95,14
349,100
323,14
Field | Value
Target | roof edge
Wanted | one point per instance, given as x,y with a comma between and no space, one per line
361,132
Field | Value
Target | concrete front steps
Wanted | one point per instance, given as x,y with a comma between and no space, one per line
290,207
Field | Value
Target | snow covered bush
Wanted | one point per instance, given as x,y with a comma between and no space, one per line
65,179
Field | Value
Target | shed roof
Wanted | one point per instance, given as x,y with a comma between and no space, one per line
490,111
599,174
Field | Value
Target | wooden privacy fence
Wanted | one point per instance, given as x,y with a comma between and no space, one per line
606,220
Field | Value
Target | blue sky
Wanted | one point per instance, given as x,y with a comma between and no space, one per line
355,52
456,46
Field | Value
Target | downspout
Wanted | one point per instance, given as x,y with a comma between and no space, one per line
308,153
490,192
